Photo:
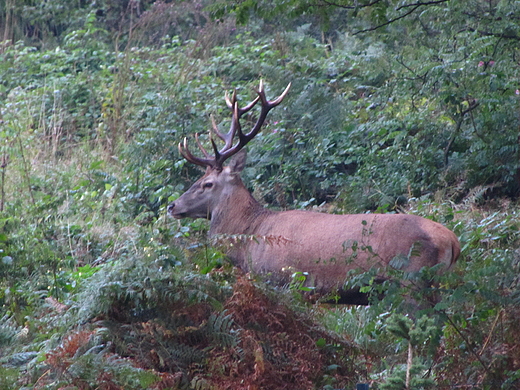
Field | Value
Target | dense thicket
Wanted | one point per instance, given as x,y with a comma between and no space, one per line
393,105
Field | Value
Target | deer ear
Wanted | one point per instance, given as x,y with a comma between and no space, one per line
238,162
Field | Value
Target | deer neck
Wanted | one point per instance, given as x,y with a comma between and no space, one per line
237,213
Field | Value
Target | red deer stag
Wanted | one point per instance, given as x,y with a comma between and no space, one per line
324,246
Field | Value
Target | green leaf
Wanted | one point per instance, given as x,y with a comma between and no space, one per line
321,342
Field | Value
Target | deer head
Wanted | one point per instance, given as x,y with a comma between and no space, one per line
206,194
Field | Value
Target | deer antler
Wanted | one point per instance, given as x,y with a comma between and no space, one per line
229,149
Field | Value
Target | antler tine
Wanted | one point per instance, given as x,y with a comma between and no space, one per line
201,148
185,152
227,138
231,102
280,98
243,139
229,149
245,109
216,130
267,105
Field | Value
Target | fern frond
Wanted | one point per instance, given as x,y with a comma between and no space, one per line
221,330
199,383
8,331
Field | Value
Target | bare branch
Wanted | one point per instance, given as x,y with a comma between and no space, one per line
413,6
421,3
387,22
501,35
344,6
472,105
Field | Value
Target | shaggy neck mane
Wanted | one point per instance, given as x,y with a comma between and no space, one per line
237,213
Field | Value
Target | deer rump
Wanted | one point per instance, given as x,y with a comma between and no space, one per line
325,247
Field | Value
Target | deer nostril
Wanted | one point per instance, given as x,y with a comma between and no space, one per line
171,206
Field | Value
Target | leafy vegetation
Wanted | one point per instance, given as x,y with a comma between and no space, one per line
407,106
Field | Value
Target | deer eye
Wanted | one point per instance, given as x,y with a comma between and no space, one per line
207,185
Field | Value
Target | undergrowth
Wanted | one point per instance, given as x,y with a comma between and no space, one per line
100,289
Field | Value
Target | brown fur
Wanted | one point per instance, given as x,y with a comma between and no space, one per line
324,245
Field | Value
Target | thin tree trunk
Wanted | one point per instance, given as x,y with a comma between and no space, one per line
3,166
409,365
8,19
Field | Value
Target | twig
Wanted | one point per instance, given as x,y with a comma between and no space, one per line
409,365
3,166
471,107
357,6
500,35
468,343
421,3
387,22
499,314
414,7
25,169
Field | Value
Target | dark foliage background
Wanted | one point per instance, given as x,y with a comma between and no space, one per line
395,105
